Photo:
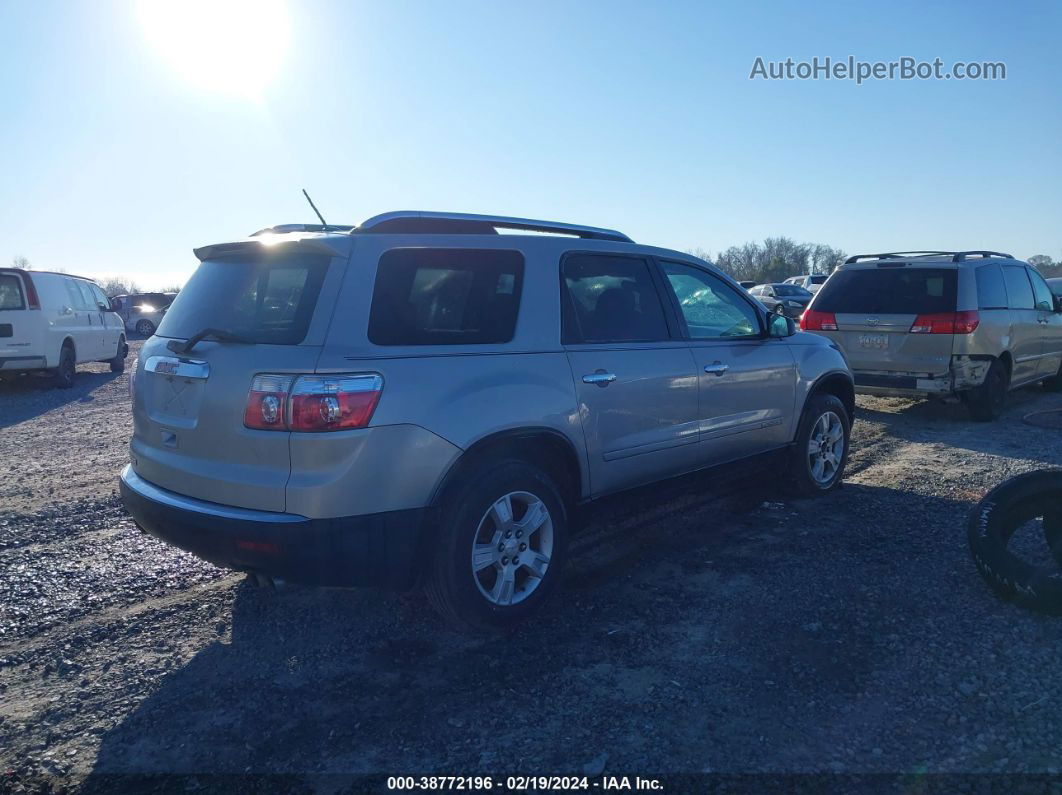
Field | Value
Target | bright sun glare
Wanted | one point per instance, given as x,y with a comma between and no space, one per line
230,46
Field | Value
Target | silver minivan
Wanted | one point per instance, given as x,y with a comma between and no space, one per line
972,324
424,400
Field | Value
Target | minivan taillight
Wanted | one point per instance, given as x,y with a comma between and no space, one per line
312,402
946,323
818,321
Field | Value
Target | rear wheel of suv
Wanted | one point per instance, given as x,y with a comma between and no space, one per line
986,401
502,546
821,449
145,328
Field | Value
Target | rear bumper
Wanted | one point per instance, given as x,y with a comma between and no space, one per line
382,549
965,372
22,362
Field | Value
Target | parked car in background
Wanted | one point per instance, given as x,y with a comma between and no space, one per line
810,282
972,324
784,299
142,312
747,285
54,322
439,418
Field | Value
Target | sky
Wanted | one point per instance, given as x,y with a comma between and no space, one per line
132,132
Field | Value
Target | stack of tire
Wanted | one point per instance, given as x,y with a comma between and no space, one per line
992,524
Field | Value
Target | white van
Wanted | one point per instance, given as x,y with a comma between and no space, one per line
55,321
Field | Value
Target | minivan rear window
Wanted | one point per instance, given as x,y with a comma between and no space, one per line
11,292
889,291
446,296
265,299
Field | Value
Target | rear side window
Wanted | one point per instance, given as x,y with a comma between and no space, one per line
446,297
11,292
1018,288
889,291
991,292
265,298
611,299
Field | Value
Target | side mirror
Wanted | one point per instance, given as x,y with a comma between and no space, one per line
779,326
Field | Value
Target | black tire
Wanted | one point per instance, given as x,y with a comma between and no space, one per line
993,521
987,401
118,362
145,328
64,373
451,586
804,481
1054,382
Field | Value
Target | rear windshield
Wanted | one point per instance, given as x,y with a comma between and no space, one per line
818,280
889,291
791,290
11,292
266,299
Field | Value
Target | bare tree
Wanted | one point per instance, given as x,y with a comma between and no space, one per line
21,263
119,285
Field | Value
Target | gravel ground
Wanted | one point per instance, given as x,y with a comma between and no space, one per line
849,634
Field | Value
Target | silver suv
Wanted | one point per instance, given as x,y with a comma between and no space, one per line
972,324
422,400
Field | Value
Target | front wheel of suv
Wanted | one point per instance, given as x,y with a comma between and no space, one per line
821,449
501,548
1054,382
986,401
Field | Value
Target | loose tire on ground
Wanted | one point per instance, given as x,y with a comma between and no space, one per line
469,524
987,401
824,425
64,373
991,525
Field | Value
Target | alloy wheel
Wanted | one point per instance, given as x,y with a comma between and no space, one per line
512,548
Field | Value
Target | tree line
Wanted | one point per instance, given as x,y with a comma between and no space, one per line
774,260
112,285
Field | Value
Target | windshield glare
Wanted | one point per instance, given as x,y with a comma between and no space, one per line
262,299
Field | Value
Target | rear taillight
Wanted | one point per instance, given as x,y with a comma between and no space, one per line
267,403
312,402
818,321
946,323
33,301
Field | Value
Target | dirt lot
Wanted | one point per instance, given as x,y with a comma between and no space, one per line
846,634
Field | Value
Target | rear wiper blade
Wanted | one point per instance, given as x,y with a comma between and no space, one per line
215,333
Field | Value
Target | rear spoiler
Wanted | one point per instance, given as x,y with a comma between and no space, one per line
331,246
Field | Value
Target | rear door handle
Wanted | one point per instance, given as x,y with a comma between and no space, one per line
718,368
601,378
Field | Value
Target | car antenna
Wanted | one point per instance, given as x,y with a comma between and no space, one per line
323,222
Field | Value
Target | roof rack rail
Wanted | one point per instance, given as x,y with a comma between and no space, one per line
418,222
960,256
280,229
894,255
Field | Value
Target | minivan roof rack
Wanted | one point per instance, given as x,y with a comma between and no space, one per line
956,256
420,222
962,255
895,255
281,229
